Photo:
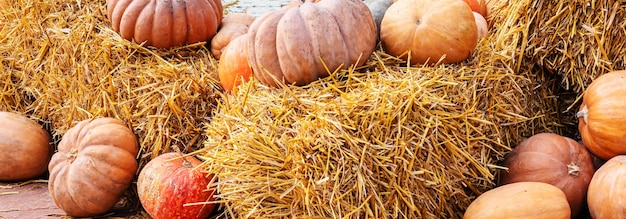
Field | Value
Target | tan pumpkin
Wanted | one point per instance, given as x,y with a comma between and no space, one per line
520,200
25,148
482,25
165,24
94,165
602,115
300,44
429,31
233,67
233,25
553,159
605,197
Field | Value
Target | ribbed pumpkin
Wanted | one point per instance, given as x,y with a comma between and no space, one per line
534,200
233,67
553,159
429,31
165,23
233,25
94,165
25,147
602,115
300,44
606,198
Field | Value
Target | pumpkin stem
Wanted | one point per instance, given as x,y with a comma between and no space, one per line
186,162
71,156
584,113
573,169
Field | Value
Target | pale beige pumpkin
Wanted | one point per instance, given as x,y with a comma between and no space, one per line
535,200
606,198
94,165
233,25
602,115
300,44
429,31
25,147
165,23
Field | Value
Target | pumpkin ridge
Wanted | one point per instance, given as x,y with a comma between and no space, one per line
86,200
292,59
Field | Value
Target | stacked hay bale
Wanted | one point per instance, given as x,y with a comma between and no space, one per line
62,63
579,40
382,141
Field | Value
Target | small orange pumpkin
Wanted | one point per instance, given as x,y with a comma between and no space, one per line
165,24
429,31
605,197
233,25
602,115
233,67
22,157
535,200
94,165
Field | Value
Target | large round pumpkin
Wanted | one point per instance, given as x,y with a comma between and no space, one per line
602,115
535,200
429,31
25,148
233,67
606,197
301,44
233,25
165,23
553,159
172,186
94,165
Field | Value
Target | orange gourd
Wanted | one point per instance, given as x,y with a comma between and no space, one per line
605,196
233,67
602,115
25,148
429,31
520,200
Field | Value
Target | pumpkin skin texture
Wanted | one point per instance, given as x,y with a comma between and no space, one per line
482,25
94,165
22,157
233,25
478,6
168,182
430,30
605,197
602,115
552,159
300,44
165,23
520,200
233,68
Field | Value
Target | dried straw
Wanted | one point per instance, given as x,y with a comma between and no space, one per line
579,40
382,141
62,63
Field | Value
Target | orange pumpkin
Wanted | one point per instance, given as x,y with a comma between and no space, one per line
233,25
165,24
553,159
233,67
602,115
25,148
605,197
478,6
429,31
520,200
300,44
94,165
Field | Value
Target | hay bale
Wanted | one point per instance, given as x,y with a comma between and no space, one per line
382,141
579,40
62,63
